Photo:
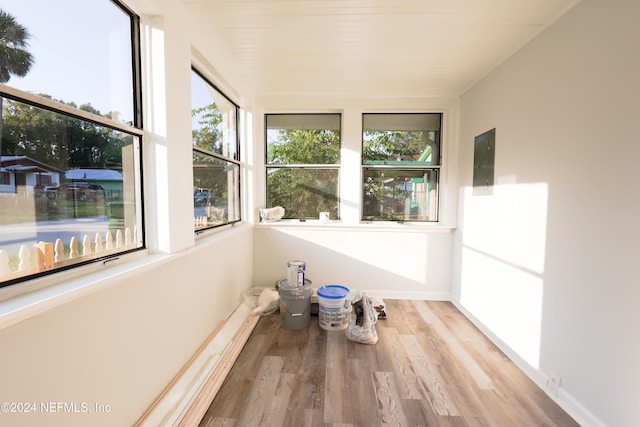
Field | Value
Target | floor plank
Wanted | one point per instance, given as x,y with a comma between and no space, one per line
430,367
389,400
262,395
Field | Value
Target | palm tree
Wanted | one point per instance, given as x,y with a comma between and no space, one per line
14,58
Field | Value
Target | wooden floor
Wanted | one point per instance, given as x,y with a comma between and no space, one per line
430,367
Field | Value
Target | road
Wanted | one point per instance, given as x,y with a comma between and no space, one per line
13,236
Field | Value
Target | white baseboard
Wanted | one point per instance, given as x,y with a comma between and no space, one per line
582,415
185,401
410,295
565,400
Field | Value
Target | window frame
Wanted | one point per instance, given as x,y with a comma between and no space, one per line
236,161
309,166
416,166
133,129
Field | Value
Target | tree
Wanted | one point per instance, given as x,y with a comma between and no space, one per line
303,192
385,190
389,146
61,141
209,133
305,146
14,58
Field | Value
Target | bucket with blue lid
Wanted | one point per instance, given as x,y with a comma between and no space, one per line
333,307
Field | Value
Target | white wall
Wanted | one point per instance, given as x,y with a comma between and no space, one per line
547,263
122,344
386,262
118,335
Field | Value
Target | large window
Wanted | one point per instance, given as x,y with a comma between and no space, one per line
401,166
216,159
70,138
303,164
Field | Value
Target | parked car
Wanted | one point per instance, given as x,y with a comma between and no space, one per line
79,191
202,198
51,192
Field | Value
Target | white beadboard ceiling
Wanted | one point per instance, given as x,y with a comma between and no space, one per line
364,48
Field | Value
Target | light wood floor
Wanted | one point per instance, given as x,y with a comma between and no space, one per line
430,367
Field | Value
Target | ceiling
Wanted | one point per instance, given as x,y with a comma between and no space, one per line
364,48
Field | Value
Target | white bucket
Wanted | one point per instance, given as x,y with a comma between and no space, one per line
333,309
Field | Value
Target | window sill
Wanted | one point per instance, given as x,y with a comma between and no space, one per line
205,232
406,227
29,299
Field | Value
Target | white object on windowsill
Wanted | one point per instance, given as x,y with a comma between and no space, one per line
271,214
324,217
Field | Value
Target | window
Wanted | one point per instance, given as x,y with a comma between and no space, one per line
303,156
401,166
70,189
42,180
216,156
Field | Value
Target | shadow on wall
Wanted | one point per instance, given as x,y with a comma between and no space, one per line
387,263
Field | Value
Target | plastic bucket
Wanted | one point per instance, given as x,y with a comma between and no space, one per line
333,310
295,272
295,306
284,284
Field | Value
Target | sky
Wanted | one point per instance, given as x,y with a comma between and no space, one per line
81,51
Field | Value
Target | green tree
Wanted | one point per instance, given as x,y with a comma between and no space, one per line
382,191
86,142
389,146
60,141
14,58
303,192
208,134
305,146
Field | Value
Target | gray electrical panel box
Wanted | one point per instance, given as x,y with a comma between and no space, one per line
484,159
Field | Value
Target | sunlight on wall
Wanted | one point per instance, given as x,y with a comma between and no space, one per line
247,203
393,263
388,254
350,148
510,225
156,112
502,284
350,186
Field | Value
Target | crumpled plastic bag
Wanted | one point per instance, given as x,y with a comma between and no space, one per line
272,214
362,320
262,301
